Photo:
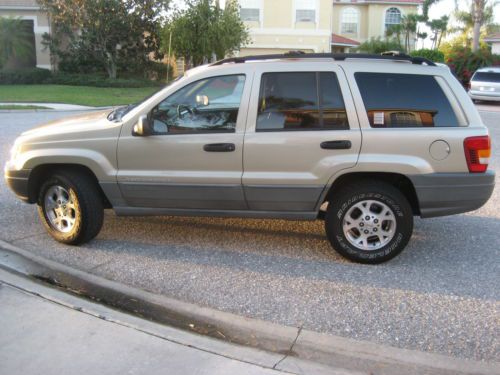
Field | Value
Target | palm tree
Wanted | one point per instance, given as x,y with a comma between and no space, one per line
394,31
409,27
15,39
470,22
438,28
478,18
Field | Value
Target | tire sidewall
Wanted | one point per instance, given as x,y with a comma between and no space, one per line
65,237
335,232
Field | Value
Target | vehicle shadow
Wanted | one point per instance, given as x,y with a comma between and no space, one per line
300,250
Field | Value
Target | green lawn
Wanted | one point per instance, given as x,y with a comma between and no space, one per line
20,107
83,95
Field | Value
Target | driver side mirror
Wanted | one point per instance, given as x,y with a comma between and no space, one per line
143,128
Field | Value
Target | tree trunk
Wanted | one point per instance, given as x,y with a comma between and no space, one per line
475,36
477,16
111,66
440,39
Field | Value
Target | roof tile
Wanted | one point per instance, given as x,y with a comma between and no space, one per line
339,39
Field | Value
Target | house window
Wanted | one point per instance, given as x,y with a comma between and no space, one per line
250,10
305,10
350,18
392,17
404,119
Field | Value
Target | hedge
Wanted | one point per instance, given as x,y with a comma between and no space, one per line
25,76
431,54
44,76
463,62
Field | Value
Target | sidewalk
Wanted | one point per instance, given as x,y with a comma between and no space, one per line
264,344
46,331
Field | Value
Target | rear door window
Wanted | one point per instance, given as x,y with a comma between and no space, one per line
404,100
300,101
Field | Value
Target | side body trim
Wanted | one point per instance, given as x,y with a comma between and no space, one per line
184,196
282,197
143,211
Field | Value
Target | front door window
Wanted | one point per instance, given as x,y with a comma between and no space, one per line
206,106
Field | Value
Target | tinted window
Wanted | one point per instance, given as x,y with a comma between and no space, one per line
486,77
208,105
332,105
300,101
404,100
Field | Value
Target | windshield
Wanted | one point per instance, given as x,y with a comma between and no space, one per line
117,114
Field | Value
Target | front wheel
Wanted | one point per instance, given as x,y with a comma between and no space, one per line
369,222
70,207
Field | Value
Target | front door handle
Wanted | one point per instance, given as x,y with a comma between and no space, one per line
336,145
219,147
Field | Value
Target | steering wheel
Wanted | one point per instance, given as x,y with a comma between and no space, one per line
182,109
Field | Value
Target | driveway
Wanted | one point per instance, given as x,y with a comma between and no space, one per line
440,295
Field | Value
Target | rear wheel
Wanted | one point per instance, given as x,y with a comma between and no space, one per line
70,207
369,222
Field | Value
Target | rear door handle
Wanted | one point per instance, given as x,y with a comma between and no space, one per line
219,147
336,145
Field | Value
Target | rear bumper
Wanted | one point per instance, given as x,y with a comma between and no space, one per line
441,194
17,181
481,95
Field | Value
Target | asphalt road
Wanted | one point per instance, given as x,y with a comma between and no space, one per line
440,295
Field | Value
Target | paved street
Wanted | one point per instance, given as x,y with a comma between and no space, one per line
440,295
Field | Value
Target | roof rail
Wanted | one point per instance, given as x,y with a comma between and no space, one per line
335,56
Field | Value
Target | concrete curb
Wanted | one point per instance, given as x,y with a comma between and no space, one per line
294,343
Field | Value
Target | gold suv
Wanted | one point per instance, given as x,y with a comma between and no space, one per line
364,142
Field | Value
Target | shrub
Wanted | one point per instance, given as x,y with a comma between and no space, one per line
158,71
463,62
379,45
44,76
431,54
97,80
24,76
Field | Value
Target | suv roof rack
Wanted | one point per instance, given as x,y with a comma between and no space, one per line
391,55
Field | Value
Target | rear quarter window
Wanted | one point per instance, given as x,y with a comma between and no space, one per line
404,100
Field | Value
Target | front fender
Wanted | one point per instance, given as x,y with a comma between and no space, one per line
103,168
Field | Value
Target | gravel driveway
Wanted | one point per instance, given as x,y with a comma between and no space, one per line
440,295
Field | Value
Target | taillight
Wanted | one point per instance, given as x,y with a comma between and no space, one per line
477,153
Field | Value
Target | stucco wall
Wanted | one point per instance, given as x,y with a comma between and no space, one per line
495,48
280,32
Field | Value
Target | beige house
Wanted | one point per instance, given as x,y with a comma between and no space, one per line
494,41
318,25
29,11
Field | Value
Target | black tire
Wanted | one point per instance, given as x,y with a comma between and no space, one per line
361,191
88,208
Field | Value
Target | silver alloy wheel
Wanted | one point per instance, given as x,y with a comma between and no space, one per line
60,209
369,225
